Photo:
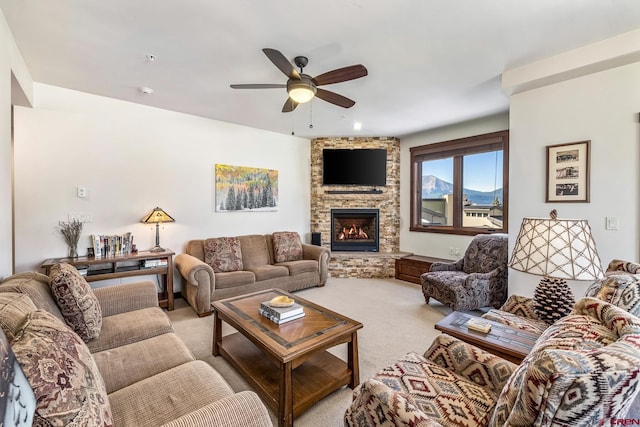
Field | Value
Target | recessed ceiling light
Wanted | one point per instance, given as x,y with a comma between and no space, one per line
357,126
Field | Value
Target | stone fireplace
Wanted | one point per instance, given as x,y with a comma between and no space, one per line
355,230
352,260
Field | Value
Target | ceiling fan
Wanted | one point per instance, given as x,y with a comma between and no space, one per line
302,87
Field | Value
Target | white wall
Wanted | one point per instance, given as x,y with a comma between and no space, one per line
132,158
436,244
601,107
12,68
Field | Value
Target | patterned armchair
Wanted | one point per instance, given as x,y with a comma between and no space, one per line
477,280
620,286
583,371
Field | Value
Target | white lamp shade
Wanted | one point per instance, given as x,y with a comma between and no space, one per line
558,248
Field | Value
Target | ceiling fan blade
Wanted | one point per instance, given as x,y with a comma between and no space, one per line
283,64
341,75
289,106
334,98
258,86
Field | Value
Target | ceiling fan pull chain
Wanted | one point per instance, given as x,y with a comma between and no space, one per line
311,114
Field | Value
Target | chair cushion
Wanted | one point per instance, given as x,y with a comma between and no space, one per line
301,266
623,266
223,254
131,326
287,246
439,393
266,272
618,288
234,278
486,253
58,365
13,307
78,304
583,369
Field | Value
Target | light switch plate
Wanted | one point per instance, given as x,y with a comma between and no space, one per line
611,223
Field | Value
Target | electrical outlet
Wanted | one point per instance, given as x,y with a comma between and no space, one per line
82,192
451,250
457,252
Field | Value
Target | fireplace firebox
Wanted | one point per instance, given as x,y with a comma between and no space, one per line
355,230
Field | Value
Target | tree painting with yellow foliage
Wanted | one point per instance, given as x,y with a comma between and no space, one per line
242,188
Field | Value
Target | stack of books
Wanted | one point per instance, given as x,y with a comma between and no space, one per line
479,325
152,263
280,315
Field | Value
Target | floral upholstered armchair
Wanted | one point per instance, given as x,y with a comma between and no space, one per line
584,370
620,286
477,280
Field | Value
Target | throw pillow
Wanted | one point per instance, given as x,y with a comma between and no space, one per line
552,300
78,304
62,373
223,254
287,246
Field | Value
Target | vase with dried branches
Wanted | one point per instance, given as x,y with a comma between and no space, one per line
71,233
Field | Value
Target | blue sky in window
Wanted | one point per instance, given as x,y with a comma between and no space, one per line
479,170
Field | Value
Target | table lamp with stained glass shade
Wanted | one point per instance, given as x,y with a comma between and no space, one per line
157,216
559,250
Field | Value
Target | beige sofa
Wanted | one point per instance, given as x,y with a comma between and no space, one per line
260,270
137,372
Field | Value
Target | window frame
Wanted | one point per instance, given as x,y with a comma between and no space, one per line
457,148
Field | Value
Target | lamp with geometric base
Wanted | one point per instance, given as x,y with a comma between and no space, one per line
157,216
559,250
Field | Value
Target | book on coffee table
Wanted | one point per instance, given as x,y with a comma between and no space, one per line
479,325
281,315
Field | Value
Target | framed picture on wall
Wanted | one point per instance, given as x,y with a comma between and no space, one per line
568,172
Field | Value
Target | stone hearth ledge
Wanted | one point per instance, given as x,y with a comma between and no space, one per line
369,265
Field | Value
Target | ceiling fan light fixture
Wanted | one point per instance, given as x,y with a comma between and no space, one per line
301,91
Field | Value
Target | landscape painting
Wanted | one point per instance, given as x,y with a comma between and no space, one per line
246,189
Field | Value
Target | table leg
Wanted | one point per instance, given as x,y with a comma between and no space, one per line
217,334
285,403
352,360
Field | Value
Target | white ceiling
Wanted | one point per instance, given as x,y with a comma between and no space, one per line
430,62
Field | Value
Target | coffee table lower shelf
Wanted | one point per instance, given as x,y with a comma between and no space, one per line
317,376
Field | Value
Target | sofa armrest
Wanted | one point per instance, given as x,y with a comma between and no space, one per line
199,282
126,297
320,254
447,266
239,410
374,400
195,271
446,350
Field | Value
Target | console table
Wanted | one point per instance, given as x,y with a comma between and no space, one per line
129,265
411,267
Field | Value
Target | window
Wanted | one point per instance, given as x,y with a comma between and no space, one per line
461,186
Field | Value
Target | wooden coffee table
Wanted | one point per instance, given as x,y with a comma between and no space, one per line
287,364
504,341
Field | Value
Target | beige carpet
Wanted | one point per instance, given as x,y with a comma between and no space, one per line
395,317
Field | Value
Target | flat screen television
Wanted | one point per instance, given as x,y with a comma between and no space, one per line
364,166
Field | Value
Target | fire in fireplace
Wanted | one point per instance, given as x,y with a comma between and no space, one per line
355,230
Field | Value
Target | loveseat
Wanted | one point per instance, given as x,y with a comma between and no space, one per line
584,370
109,357
223,267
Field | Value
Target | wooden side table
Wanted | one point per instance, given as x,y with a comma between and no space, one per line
411,267
504,341
129,265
